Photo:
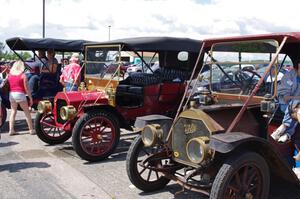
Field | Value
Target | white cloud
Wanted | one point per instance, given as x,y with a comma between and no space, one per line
89,19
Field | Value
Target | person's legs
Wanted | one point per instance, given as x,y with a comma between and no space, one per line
0,114
71,87
289,125
13,113
286,120
24,106
28,75
32,82
0,110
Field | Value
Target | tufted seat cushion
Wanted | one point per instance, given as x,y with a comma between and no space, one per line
136,90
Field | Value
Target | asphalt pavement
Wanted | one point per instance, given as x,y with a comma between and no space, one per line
29,168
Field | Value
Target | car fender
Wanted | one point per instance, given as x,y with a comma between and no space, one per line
164,122
97,107
228,143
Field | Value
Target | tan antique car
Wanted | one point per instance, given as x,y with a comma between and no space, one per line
219,143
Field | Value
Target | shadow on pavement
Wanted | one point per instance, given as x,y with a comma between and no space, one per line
20,125
16,167
119,154
8,144
280,189
177,192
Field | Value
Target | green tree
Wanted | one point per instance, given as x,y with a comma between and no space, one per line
1,50
10,55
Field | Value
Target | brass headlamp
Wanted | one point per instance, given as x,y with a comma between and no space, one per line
197,149
44,106
151,134
67,112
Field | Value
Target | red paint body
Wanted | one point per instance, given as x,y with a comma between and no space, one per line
158,99
78,100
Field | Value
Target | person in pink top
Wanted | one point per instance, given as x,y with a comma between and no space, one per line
70,77
18,88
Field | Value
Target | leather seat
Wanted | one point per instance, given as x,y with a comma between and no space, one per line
136,90
122,88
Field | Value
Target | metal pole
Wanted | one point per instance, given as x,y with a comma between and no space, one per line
109,32
43,18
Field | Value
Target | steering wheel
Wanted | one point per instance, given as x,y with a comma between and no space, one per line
247,81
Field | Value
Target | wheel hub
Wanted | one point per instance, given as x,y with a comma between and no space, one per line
96,136
249,196
99,137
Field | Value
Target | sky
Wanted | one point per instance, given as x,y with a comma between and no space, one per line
197,19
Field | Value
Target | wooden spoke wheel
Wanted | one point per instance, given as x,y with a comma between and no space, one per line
142,177
47,131
245,176
96,135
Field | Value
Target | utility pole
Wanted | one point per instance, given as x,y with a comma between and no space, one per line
109,32
43,18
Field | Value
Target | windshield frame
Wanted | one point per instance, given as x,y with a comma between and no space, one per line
212,61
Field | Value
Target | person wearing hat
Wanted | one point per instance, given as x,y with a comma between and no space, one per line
288,95
18,89
70,77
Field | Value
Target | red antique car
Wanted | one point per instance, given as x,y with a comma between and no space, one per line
94,115
219,143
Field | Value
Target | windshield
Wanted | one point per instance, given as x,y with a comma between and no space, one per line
102,62
110,61
236,67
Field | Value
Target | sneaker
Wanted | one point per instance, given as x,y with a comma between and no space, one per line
284,138
278,132
11,133
32,132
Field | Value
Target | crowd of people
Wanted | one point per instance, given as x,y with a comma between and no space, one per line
21,82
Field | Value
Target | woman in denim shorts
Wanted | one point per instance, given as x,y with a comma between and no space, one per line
18,89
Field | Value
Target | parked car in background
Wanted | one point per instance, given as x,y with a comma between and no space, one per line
242,67
123,67
135,68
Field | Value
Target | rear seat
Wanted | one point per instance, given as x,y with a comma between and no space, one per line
144,79
172,75
135,82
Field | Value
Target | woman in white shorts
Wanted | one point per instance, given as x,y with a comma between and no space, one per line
18,88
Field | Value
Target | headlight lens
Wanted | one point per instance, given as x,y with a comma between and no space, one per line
67,112
196,150
151,134
44,106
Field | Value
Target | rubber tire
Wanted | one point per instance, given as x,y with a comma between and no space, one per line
43,137
230,166
4,114
132,172
79,125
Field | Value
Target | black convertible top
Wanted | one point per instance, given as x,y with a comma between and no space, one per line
61,45
155,44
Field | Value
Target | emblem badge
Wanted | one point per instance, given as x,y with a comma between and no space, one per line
189,128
